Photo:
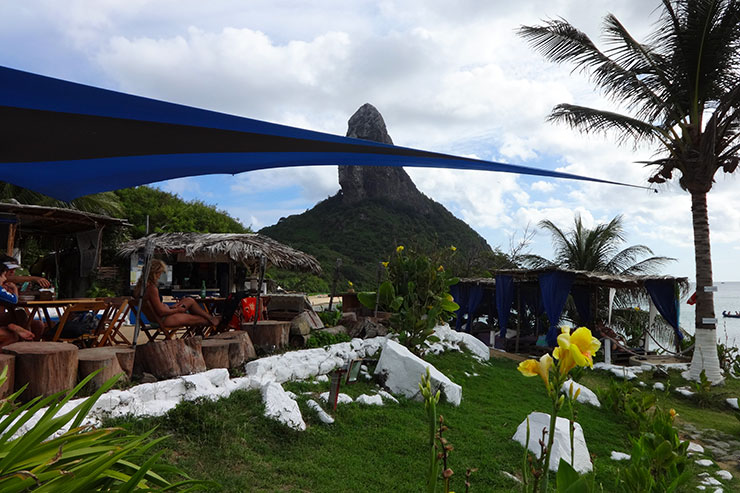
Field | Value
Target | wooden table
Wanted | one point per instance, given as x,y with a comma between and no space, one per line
42,309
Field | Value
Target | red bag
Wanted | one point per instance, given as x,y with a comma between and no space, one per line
247,312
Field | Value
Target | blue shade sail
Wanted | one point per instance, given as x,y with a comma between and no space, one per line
67,140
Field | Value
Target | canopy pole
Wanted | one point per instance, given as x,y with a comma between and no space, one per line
148,252
257,310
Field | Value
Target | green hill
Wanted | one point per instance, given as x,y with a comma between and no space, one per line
366,232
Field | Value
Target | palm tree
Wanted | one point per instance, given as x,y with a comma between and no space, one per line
106,203
596,250
681,92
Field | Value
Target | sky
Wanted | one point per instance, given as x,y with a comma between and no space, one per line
450,77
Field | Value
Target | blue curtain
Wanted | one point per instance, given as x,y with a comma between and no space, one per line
582,299
664,294
504,299
555,287
468,296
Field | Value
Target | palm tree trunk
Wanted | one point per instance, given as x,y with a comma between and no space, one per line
705,351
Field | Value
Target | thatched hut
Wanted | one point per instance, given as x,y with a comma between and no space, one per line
221,260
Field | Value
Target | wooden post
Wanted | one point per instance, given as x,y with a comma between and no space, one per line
518,319
377,289
337,266
12,227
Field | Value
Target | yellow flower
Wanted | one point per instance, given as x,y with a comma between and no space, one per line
576,349
453,248
532,367
673,413
399,248
440,269
385,264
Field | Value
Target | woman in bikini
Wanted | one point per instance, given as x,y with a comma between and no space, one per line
187,311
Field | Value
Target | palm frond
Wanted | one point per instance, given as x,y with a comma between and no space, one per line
589,120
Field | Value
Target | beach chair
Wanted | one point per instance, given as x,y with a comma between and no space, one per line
152,326
115,316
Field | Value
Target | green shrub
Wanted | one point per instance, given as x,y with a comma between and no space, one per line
418,293
330,318
81,459
658,460
321,338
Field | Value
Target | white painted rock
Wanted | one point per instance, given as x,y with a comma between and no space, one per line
704,462
321,378
620,456
710,482
369,400
282,408
323,416
726,475
387,396
586,395
684,391
403,372
451,340
732,401
695,447
561,446
341,398
659,386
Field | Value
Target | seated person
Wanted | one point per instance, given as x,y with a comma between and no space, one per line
10,331
187,311
10,284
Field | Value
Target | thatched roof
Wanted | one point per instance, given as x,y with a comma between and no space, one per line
241,248
582,277
56,220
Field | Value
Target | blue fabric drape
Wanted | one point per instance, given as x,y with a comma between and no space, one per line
555,287
475,295
582,299
468,297
504,299
664,296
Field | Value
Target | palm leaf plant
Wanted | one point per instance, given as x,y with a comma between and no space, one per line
680,92
80,459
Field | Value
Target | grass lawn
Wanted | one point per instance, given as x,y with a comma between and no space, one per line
373,449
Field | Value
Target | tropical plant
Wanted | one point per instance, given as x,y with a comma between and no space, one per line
418,293
574,349
659,461
597,250
80,459
681,92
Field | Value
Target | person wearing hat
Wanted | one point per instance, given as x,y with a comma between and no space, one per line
12,264
10,285
10,330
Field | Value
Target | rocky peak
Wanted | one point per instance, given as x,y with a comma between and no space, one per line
373,182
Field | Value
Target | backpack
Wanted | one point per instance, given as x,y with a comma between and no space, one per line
82,323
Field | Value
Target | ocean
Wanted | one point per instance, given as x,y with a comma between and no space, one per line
727,298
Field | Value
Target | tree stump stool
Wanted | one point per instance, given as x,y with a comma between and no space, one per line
269,334
93,359
170,358
7,360
125,355
216,353
241,348
47,367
